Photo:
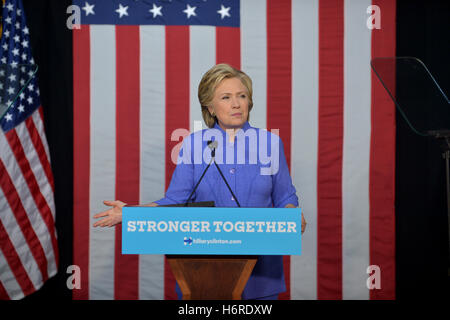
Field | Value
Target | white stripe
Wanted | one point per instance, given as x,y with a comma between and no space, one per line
103,158
36,166
8,280
29,205
305,79
15,235
40,128
152,135
254,56
37,120
39,226
202,57
356,151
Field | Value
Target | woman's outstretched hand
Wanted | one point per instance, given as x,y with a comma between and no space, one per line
112,216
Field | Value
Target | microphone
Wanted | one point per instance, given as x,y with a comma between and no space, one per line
212,145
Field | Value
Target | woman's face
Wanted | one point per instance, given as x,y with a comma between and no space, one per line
230,104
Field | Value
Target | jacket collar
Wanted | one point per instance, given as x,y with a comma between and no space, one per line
245,127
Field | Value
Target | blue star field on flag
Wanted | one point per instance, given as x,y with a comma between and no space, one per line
17,67
223,13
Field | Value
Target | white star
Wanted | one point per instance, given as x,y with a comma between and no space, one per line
16,38
25,43
30,100
24,56
19,12
12,77
8,103
15,52
88,8
8,117
17,25
21,108
26,30
156,11
14,64
10,6
31,87
122,11
8,20
190,11
224,12
10,90
1,88
6,33
22,95
4,60
2,72
5,46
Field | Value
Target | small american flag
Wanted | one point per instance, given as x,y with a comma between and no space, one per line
28,243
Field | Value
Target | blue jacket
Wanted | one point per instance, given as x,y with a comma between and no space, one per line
256,170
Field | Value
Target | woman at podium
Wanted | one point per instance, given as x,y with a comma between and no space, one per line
251,168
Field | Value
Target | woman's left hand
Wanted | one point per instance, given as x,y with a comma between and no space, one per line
303,223
289,205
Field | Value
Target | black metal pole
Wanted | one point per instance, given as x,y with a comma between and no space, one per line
446,155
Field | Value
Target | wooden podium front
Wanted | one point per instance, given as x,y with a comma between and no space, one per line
211,277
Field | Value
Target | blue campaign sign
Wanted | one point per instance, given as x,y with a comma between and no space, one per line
210,230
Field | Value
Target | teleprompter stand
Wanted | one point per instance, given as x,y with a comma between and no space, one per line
421,102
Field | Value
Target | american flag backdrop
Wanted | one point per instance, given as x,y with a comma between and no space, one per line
137,65
28,243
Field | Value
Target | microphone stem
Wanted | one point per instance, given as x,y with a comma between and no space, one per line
220,171
199,180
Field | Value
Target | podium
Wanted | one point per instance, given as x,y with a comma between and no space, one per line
209,277
211,251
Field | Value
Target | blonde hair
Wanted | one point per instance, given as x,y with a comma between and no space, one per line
211,79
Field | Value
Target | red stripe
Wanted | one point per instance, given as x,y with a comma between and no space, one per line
330,143
22,219
126,271
228,46
382,161
177,110
81,156
15,263
41,114
7,246
39,146
30,179
279,83
3,294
